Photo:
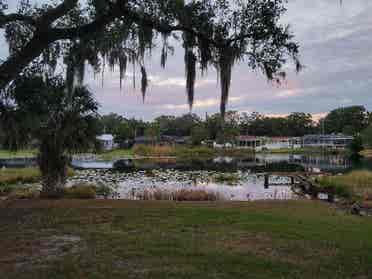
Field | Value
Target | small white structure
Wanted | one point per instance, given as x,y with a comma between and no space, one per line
107,141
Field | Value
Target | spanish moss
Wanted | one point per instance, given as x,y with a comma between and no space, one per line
144,82
190,65
226,61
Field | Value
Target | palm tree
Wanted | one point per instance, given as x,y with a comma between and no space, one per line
62,122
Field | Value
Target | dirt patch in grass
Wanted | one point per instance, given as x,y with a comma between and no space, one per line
23,253
293,251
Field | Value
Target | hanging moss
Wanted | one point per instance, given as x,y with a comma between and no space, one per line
144,82
190,68
226,62
123,60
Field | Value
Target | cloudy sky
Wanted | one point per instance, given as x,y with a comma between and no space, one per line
336,43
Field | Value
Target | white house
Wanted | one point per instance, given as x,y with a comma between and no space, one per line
107,141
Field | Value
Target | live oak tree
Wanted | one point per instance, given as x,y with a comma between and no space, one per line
213,33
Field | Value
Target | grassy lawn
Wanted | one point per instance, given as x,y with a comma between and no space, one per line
4,154
123,239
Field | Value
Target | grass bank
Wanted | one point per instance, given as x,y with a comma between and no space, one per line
5,154
12,182
116,154
122,239
187,152
10,176
353,185
304,151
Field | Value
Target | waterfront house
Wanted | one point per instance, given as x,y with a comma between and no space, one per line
333,141
107,141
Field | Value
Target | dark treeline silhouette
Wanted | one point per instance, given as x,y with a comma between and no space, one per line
347,120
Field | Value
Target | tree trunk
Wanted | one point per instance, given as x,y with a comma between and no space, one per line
53,165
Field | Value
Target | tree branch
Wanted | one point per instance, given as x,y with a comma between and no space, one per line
5,19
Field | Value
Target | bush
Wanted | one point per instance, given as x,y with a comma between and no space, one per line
228,178
80,191
24,193
103,191
16,176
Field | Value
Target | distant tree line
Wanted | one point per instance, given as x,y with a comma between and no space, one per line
351,120
347,120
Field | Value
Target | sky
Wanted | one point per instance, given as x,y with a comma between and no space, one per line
335,48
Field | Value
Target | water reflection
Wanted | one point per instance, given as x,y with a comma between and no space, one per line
245,186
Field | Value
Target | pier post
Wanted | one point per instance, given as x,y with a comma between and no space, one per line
266,184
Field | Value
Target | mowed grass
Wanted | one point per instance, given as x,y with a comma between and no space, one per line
148,239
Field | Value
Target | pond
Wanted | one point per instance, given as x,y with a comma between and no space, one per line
225,178
236,179
236,186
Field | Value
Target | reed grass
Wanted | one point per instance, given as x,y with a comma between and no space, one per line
356,184
179,195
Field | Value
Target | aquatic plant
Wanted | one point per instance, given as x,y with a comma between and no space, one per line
80,191
179,195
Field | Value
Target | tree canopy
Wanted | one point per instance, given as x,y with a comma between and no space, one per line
213,33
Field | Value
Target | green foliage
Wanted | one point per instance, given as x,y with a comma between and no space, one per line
198,134
23,193
154,150
62,121
356,184
19,176
226,178
367,136
347,120
194,152
105,33
356,146
103,191
152,131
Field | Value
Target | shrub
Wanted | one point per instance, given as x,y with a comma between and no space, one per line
228,178
103,191
23,175
80,191
24,193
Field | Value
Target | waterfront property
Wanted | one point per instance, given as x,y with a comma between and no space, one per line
251,142
338,141
107,141
268,143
